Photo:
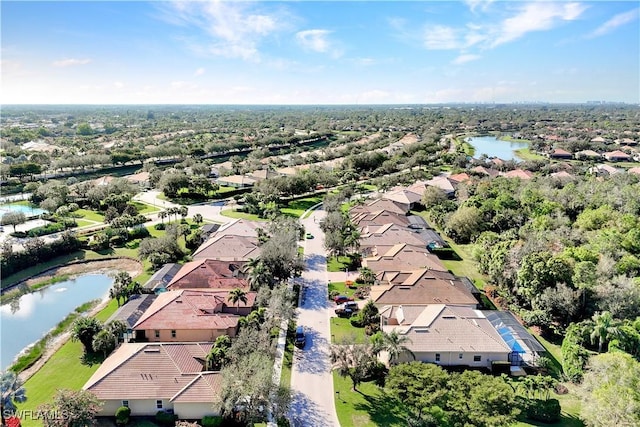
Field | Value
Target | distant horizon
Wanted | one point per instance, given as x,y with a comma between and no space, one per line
319,52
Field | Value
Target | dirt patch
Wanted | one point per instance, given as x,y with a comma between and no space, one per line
131,266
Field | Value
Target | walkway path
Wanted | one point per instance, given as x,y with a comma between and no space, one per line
311,379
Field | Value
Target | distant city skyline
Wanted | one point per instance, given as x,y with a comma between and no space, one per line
308,52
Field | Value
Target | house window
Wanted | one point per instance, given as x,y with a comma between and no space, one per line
125,403
173,333
460,356
158,404
437,357
477,358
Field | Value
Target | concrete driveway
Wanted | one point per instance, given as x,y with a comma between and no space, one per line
311,379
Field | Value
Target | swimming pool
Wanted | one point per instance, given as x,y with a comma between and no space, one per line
27,210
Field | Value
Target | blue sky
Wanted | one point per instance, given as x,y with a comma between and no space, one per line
307,52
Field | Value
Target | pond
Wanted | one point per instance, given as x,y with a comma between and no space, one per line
27,319
493,147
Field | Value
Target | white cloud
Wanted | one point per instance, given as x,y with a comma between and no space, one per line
233,29
315,40
441,37
118,85
70,62
536,17
483,5
464,58
615,22
200,71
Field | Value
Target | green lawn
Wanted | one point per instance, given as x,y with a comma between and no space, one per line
145,208
336,264
342,331
527,154
84,223
296,208
342,288
231,213
90,215
369,406
287,360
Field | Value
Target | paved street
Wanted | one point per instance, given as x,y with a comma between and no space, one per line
311,380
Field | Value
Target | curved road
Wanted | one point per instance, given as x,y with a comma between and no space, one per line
311,379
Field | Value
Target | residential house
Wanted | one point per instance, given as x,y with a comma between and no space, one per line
447,335
399,259
189,315
262,174
228,247
161,278
405,198
460,177
379,218
617,156
379,205
140,179
379,240
236,181
444,183
559,153
152,377
131,311
604,170
425,286
562,176
635,170
492,173
519,173
588,155
210,274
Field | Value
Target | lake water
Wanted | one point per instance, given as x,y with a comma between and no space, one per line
494,147
27,210
28,319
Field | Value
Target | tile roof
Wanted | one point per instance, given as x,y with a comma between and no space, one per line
364,219
425,286
444,183
211,274
192,309
403,257
228,247
403,196
378,205
156,371
450,328
460,177
518,173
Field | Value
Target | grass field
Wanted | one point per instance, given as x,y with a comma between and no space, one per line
367,407
527,154
296,208
343,332
231,213
336,264
65,369
90,215
144,208
341,288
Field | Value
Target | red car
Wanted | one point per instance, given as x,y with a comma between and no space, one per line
340,299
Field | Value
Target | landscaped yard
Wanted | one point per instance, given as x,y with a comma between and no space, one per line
336,264
369,406
90,215
144,208
343,332
232,213
296,208
63,370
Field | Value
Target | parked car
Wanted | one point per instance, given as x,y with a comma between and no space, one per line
309,236
347,309
341,299
301,338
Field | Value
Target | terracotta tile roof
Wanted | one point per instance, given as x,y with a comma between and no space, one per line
228,247
378,205
444,183
210,274
635,170
404,257
518,173
490,172
446,328
425,287
364,219
403,196
460,177
616,154
155,371
192,309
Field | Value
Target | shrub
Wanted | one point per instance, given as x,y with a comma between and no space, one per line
547,411
54,227
211,421
165,418
160,226
138,233
122,415
333,294
371,329
356,322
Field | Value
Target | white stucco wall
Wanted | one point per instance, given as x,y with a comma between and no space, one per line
194,411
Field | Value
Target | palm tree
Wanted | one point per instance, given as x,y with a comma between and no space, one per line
183,211
116,328
353,361
103,341
12,393
197,218
162,215
604,328
236,295
367,275
84,329
394,345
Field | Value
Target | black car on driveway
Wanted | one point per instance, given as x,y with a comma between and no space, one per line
301,338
